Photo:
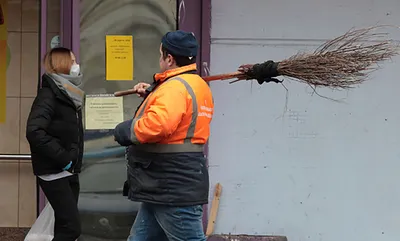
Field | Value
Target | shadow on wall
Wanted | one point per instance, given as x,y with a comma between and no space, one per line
106,214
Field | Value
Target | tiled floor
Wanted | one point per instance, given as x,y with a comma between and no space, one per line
13,234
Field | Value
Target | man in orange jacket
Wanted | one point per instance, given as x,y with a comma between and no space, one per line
167,170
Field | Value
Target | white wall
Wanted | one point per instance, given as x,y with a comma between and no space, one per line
321,170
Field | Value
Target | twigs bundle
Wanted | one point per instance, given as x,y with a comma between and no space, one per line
340,63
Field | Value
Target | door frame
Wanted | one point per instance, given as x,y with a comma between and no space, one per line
67,15
41,199
199,23
68,25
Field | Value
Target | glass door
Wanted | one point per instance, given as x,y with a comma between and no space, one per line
84,25
105,213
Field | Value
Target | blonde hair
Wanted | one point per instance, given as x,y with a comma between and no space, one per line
58,60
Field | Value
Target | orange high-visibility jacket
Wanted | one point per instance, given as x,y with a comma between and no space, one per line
178,111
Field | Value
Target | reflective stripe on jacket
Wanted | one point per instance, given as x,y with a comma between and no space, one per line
175,117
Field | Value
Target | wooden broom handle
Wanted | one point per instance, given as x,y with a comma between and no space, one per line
124,92
214,209
206,78
222,76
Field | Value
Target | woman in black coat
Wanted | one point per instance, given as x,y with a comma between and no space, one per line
55,135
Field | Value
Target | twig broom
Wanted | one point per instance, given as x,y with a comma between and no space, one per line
339,63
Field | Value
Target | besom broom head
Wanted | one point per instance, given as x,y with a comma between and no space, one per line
339,63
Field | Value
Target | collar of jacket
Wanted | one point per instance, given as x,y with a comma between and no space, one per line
47,82
161,77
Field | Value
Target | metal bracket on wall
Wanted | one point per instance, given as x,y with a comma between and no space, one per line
206,70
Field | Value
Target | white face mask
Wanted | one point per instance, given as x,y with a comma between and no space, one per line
75,70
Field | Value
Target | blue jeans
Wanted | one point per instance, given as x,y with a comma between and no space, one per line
165,223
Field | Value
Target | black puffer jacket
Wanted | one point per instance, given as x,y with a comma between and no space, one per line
54,131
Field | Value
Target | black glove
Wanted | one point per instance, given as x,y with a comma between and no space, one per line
266,80
152,86
264,72
125,189
122,133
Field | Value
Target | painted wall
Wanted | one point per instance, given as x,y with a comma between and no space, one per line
308,168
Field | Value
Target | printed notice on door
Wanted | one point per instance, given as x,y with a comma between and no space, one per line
103,112
119,57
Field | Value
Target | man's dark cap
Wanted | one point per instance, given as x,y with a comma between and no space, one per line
180,43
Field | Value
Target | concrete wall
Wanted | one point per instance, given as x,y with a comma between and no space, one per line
311,169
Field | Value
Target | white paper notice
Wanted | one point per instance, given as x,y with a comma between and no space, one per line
103,112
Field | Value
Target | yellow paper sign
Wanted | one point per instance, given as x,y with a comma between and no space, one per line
103,112
119,57
3,59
